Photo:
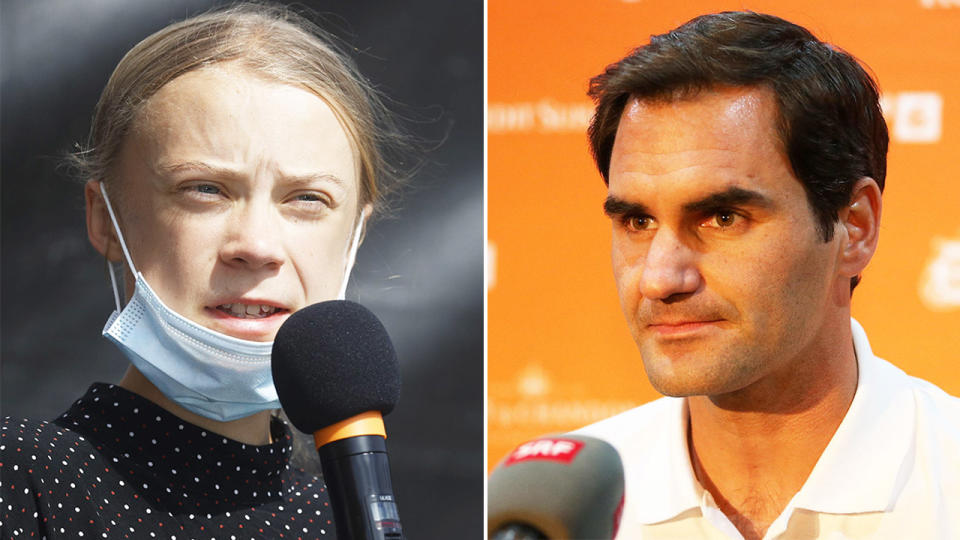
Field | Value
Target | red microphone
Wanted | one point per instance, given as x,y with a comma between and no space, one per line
565,486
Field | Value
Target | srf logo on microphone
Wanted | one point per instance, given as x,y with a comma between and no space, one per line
549,449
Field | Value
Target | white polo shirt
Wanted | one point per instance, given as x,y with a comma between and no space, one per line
892,469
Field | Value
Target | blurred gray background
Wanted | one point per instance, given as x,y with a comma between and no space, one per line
420,271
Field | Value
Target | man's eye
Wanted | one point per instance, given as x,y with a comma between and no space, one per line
725,219
722,220
639,223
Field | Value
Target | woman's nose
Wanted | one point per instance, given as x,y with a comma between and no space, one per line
253,238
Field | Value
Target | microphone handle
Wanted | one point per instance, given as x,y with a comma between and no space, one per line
357,473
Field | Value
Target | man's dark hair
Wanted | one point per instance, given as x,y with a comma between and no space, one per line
829,117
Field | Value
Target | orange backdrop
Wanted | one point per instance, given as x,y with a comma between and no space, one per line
559,352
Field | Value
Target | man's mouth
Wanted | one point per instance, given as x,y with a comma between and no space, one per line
677,328
249,311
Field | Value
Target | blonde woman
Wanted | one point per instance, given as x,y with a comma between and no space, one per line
233,163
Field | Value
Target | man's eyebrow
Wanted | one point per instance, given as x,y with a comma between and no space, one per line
732,196
615,207
223,172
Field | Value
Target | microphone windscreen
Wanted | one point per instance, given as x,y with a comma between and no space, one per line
565,486
332,361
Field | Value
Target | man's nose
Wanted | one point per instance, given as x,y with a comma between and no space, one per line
253,238
669,268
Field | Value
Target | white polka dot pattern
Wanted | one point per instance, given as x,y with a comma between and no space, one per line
117,466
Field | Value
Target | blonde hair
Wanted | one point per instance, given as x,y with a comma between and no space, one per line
271,42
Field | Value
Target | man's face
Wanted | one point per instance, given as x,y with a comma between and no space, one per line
721,272
237,198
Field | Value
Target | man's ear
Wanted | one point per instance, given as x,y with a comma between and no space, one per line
860,221
99,227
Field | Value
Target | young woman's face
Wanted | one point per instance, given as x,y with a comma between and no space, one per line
238,199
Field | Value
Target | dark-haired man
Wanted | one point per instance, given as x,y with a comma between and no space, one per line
745,161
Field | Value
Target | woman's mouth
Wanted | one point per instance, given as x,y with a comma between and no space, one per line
249,311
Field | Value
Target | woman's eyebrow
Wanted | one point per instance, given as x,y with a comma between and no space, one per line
306,179
225,172
197,166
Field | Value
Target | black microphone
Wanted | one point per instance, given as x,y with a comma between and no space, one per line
336,374
567,486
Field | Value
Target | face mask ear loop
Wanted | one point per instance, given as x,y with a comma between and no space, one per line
123,245
352,255
113,283
116,227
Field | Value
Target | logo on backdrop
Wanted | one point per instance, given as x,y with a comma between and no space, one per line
914,117
544,116
534,401
940,283
933,4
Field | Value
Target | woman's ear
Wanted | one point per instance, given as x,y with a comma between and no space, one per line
860,221
365,216
99,226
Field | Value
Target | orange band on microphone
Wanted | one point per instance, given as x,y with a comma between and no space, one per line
368,423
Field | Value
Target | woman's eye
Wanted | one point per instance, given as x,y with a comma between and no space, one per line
313,198
203,189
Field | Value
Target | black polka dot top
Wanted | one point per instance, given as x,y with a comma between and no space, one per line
118,466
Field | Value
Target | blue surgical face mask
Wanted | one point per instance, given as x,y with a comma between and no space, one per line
212,374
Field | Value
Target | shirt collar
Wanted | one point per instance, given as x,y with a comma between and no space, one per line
669,489
861,469
870,450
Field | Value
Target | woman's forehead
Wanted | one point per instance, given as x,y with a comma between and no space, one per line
228,115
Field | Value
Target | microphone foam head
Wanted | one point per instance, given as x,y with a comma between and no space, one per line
332,361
